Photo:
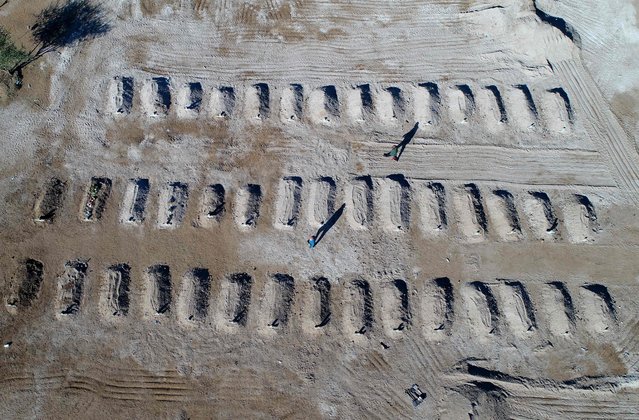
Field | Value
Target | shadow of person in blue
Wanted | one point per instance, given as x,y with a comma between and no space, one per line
323,230
407,138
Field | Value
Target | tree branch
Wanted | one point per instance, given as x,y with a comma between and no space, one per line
25,63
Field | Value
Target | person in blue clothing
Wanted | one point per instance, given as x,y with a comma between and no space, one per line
311,241
394,153
397,150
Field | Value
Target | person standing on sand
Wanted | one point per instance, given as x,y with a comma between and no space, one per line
393,153
311,242
398,149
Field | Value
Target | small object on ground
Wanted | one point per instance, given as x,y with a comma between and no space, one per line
311,241
393,153
386,346
8,344
416,394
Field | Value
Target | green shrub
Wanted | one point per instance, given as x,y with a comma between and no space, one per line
10,55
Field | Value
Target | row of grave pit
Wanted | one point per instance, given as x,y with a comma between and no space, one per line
353,305
429,103
391,203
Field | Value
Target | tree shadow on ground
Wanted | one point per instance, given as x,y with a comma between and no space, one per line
65,24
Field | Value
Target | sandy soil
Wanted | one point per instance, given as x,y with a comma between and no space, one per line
158,186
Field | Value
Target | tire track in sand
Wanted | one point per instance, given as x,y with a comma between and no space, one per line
613,141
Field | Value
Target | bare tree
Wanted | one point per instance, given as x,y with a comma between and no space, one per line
65,24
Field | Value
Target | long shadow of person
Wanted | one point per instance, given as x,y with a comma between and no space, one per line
407,138
329,224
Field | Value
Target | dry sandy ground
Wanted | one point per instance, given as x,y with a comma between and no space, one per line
158,186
